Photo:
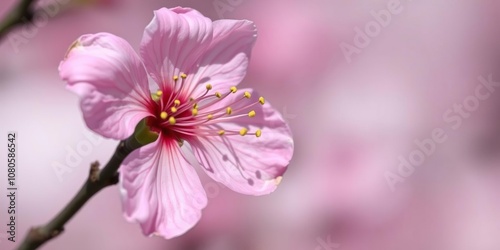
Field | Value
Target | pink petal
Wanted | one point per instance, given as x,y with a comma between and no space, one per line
226,60
107,74
247,164
161,190
173,42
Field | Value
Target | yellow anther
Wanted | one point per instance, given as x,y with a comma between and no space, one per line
159,93
218,95
191,99
175,78
229,110
261,100
173,109
177,103
180,142
183,76
171,120
247,95
209,86
163,115
243,131
221,132
210,116
195,106
233,89
251,113
194,112
258,133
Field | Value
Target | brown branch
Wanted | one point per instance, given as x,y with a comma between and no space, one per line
97,180
21,13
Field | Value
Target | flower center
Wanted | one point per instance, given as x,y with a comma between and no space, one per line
178,116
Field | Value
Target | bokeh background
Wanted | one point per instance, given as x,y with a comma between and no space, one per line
353,117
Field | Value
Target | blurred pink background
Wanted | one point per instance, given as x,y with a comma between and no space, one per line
352,118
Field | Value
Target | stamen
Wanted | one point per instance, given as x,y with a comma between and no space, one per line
193,102
224,110
243,131
204,97
261,100
156,96
200,107
178,90
171,120
163,115
258,133
246,107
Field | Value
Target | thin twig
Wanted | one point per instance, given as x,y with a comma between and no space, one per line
97,180
21,13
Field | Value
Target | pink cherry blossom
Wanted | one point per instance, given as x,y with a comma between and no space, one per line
194,106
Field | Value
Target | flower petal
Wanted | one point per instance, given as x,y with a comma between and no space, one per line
173,42
247,164
161,190
226,60
107,74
